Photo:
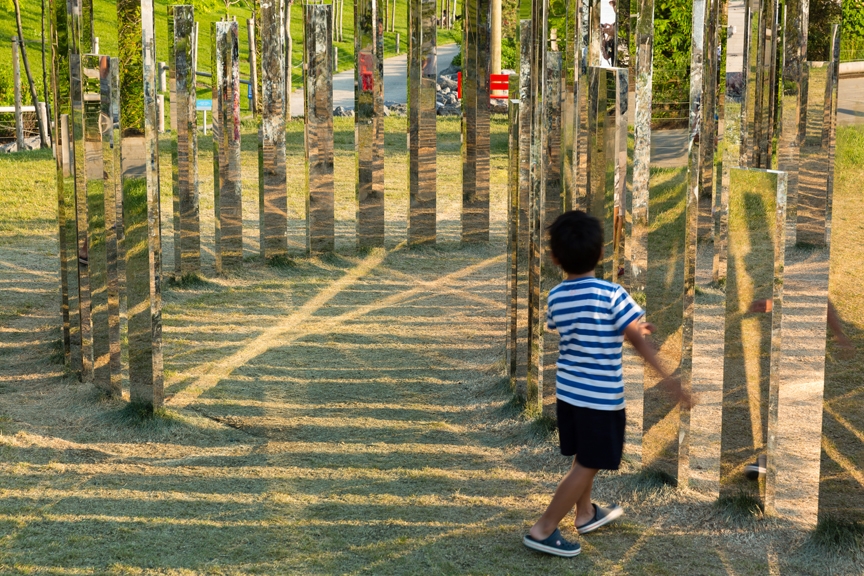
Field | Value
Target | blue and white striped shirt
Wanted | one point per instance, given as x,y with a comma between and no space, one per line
590,315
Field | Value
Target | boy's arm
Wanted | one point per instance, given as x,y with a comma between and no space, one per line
633,333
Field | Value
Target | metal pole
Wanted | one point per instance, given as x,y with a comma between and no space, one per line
253,64
19,121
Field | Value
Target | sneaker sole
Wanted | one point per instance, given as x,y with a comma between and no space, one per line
534,545
613,515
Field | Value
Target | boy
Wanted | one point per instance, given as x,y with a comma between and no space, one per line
592,317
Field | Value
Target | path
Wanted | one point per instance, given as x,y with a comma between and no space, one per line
850,101
395,81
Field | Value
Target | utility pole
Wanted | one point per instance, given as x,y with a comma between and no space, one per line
495,39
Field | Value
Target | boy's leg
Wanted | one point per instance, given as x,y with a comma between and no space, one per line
584,506
572,488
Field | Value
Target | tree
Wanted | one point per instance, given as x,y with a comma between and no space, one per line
43,140
853,19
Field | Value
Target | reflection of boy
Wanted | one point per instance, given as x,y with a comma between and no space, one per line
592,317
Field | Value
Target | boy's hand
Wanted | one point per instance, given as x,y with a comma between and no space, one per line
646,328
672,386
761,306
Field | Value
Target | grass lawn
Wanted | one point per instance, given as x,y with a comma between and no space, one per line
347,414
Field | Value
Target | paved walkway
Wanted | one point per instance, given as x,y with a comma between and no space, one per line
850,102
668,147
395,81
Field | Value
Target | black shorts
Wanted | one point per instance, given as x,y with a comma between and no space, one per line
595,437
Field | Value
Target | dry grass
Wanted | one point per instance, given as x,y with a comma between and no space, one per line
343,414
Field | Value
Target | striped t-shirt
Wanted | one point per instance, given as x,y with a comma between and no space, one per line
590,315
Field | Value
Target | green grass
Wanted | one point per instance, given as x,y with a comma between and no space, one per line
105,17
839,535
346,414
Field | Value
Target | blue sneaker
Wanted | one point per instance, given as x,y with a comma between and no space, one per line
555,544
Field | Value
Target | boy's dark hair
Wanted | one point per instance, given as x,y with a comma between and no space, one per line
576,241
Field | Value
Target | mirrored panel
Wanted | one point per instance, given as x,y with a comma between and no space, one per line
369,122
814,159
754,304
97,253
422,74
78,166
524,176
272,186
841,491
318,57
552,202
108,81
791,103
226,144
184,145
139,176
67,232
513,239
475,120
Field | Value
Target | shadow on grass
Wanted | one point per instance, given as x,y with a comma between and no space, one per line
740,507
144,415
189,281
837,534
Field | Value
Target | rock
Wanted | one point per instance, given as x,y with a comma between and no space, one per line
386,111
499,107
445,91
340,111
396,108
447,82
452,100
30,143
438,87
450,110
450,71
